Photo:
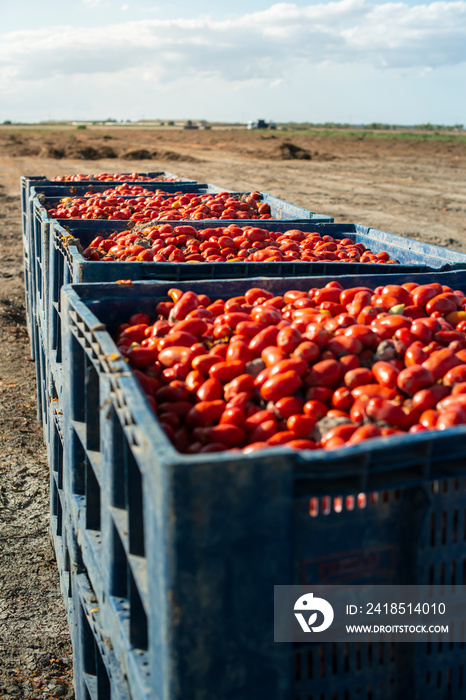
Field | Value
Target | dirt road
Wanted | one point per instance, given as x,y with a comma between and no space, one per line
412,188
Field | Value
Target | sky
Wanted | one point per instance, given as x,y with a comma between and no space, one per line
345,61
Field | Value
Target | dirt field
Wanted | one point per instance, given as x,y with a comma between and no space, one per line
412,188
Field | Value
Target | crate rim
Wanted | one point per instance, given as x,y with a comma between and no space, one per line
122,372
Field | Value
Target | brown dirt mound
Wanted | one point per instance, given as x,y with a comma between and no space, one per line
290,151
85,152
137,154
173,155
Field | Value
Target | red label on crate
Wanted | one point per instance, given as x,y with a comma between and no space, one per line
376,564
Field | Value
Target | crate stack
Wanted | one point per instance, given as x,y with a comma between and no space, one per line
168,561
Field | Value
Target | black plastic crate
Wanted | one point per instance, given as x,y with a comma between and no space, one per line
186,549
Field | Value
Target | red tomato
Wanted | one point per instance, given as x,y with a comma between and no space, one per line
226,371
186,303
302,444
263,339
210,390
226,433
280,385
241,383
205,413
342,399
414,378
359,376
288,339
326,373
365,432
344,432
316,408
429,398
448,419
281,438
235,416
456,375
385,373
307,351
440,362
292,363
287,406
263,431
272,356
301,425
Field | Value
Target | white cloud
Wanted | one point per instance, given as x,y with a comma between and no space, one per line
264,45
263,49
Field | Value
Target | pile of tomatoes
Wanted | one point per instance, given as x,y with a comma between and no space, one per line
162,207
320,369
232,243
126,190
104,177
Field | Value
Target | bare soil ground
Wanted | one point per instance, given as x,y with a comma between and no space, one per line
412,188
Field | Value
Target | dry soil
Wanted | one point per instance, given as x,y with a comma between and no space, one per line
414,188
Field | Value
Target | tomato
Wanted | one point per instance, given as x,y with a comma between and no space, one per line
233,416
385,374
325,373
176,338
302,444
456,375
255,447
280,385
429,398
292,363
301,425
440,362
367,391
422,294
342,399
239,350
428,418
287,406
288,339
263,431
226,371
358,303
415,354
265,338
175,354
457,389
383,410
241,383
307,351
365,432
414,378
366,335
344,345
343,432
205,413
175,391
210,390
272,356
268,315
386,327
228,434
444,303
456,415
347,295
359,376
281,438
134,334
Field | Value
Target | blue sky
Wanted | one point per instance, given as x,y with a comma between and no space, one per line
355,61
